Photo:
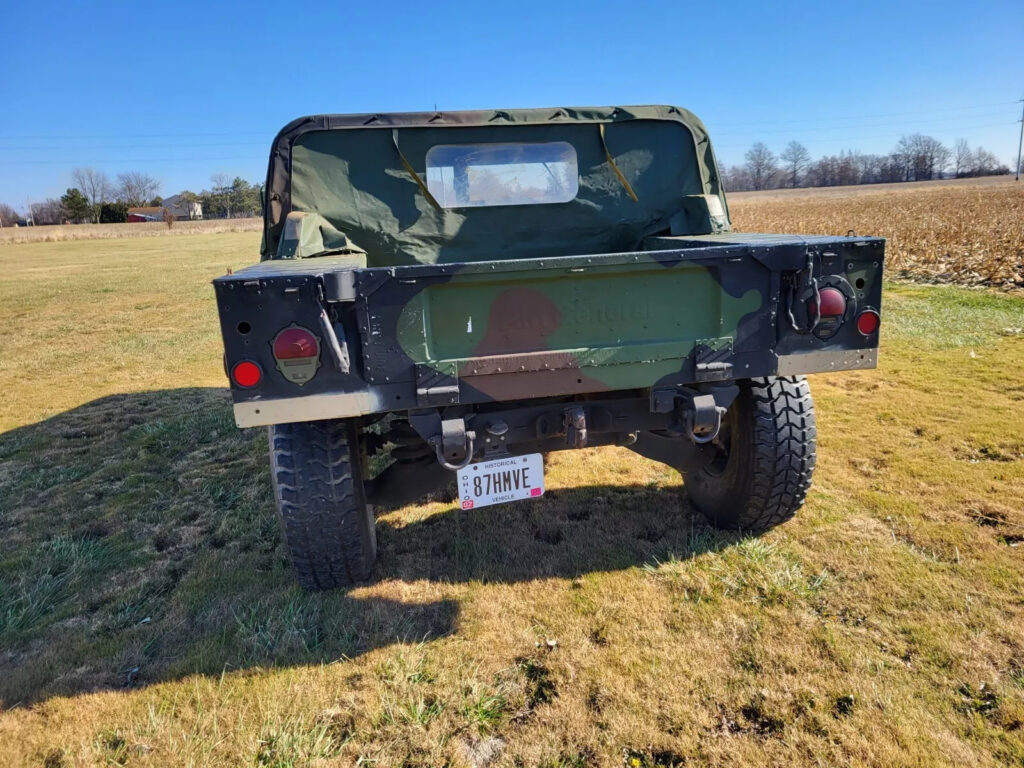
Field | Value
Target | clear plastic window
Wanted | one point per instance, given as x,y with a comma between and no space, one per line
470,175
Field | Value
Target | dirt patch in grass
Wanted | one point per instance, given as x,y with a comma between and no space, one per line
1003,451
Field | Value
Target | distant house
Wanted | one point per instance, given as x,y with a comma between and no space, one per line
184,210
180,208
150,213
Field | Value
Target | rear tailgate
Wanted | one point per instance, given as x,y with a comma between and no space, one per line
431,335
516,330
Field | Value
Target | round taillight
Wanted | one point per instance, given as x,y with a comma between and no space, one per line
833,303
246,374
292,343
868,322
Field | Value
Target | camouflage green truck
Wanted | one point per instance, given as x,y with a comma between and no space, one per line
452,295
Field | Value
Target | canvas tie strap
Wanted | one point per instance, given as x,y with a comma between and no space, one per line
611,162
415,176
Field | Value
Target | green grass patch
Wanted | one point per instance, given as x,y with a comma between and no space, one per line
945,317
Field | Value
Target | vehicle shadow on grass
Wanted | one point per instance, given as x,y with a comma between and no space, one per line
140,544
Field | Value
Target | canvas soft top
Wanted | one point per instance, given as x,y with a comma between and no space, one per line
360,181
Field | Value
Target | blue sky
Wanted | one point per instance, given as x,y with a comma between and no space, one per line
186,89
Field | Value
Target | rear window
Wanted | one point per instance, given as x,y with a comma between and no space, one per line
470,175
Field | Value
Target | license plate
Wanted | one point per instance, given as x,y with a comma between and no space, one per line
500,480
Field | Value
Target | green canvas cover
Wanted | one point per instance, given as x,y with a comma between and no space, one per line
642,171
309,234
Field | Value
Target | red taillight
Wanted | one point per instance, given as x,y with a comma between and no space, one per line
246,374
292,343
297,354
833,303
868,322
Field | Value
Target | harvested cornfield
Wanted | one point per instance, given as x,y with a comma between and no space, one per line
965,234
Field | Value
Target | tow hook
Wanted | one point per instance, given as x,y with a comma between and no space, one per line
697,414
455,441
703,419
575,421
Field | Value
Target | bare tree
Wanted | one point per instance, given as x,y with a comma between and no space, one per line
940,158
924,157
221,191
961,158
984,163
796,157
869,167
8,216
735,178
95,185
135,188
49,211
761,165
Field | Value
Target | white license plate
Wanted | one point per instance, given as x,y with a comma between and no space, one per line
500,480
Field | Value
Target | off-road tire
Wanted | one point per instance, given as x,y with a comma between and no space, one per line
316,469
763,477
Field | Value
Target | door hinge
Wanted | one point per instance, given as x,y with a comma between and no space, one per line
434,387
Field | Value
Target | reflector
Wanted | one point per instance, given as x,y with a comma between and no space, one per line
246,374
868,322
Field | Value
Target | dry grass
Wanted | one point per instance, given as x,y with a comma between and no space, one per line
62,232
148,616
965,233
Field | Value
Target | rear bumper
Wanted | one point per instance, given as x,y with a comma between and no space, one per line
285,410
800,363
258,413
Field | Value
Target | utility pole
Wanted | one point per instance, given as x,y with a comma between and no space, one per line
1020,141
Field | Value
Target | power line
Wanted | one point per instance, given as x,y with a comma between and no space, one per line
861,115
142,146
121,147
250,158
834,139
929,121
270,132
89,150
128,135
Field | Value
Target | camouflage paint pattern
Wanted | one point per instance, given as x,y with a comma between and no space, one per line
593,332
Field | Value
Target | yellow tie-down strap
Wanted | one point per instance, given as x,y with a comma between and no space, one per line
611,162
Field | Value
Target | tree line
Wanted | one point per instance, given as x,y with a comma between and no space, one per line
96,198
915,158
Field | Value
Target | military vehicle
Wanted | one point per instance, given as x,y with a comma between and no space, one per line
451,295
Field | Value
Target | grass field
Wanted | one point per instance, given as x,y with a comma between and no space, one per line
148,616
61,232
